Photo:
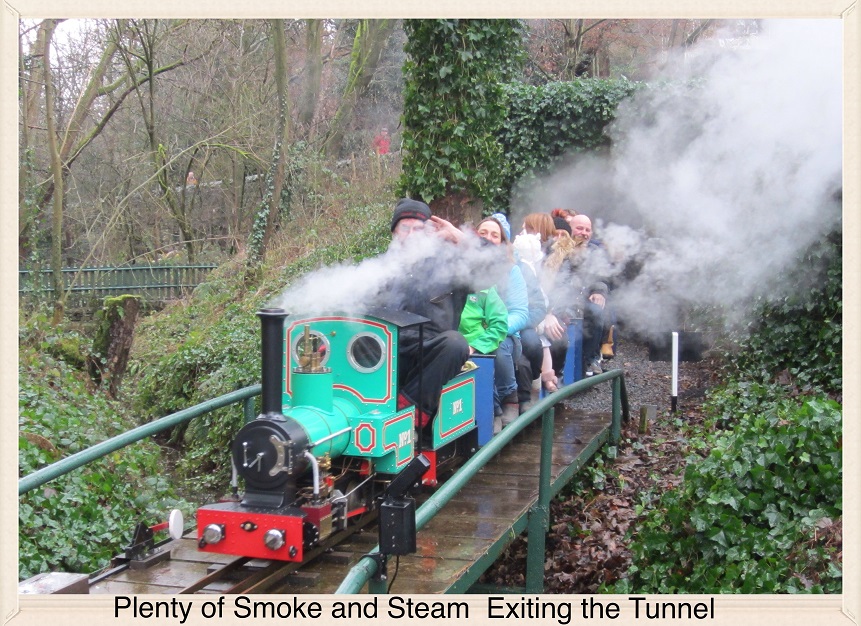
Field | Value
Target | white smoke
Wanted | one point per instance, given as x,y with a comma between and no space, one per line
710,191
424,258
734,177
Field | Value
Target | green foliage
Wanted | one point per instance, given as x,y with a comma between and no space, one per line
77,522
745,519
761,512
799,338
454,105
547,123
211,345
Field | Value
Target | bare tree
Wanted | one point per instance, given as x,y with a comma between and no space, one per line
368,44
313,74
270,210
49,26
140,56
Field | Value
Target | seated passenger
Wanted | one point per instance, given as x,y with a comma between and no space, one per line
534,343
598,315
540,224
576,290
484,321
424,290
496,230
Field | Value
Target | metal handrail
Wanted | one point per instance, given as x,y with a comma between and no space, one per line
367,566
164,280
66,465
362,572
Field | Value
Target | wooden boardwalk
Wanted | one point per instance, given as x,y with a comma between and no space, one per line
454,548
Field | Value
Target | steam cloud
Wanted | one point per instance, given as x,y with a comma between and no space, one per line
712,191
424,258
716,189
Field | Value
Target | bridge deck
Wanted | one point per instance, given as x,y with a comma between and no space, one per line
454,548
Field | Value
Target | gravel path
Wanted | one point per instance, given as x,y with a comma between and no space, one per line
648,382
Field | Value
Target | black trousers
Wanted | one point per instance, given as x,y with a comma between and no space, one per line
529,363
596,325
444,356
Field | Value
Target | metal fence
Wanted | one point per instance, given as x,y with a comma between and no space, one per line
151,282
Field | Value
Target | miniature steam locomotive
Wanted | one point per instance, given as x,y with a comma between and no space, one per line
330,437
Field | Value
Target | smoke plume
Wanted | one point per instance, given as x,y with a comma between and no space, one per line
719,176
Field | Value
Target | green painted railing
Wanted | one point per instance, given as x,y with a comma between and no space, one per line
79,459
366,568
152,282
537,518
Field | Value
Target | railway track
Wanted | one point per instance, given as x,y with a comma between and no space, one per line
459,543
275,572
189,571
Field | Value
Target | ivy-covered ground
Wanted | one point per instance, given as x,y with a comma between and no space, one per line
78,522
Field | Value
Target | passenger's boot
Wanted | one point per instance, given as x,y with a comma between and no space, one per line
510,409
608,350
497,424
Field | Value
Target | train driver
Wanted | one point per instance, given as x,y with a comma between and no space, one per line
426,289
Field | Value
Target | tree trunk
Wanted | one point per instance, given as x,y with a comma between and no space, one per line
280,42
572,43
313,74
371,37
458,208
31,88
266,220
57,175
113,342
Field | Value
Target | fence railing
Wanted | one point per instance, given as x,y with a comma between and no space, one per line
41,476
151,282
366,568
538,516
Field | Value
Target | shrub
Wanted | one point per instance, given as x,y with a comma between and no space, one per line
748,518
799,338
761,513
78,521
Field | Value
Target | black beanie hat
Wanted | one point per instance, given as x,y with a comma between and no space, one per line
561,224
407,208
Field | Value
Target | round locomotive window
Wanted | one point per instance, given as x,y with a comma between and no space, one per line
366,352
311,349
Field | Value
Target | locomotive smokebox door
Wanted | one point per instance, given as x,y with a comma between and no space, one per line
398,526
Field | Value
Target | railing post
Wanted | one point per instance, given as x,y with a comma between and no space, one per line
378,585
616,424
539,515
248,410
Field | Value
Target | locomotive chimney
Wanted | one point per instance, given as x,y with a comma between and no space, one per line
272,351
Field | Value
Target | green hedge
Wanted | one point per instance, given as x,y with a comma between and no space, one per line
546,123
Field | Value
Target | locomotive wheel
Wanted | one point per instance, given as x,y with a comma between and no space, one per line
357,499
310,534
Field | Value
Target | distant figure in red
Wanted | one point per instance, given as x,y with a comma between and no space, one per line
190,179
382,142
